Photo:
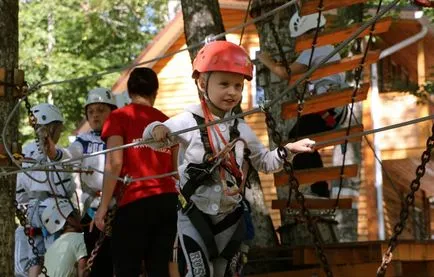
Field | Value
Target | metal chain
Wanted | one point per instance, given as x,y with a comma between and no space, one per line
107,233
409,201
294,184
23,222
300,97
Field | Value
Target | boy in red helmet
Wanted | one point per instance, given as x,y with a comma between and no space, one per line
210,222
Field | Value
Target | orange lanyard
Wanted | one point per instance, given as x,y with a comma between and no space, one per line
231,164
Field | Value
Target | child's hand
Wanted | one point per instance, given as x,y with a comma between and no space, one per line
160,133
301,146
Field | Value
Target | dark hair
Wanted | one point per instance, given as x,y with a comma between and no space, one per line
143,81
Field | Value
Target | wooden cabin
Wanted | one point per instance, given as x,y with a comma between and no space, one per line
400,148
177,90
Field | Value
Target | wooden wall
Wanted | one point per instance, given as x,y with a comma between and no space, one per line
407,57
397,176
395,145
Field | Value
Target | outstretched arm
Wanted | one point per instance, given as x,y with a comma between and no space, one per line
279,69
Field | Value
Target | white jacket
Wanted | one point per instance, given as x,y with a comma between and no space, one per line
59,183
211,199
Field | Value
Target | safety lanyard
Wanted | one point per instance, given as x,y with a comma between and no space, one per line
231,164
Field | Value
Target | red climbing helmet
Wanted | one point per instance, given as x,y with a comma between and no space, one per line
222,56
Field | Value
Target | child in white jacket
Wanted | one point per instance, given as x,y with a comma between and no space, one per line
210,223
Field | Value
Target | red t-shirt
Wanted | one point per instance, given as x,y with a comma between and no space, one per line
139,161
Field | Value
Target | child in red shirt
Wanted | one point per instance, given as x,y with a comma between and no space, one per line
144,226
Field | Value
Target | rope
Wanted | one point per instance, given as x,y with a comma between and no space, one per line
357,78
245,20
318,144
252,111
194,46
337,49
373,131
300,98
386,172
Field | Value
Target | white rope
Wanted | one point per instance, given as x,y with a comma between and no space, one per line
364,133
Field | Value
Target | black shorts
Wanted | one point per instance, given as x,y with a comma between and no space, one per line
145,230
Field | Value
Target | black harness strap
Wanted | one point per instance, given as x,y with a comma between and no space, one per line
204,137
199,174
233,134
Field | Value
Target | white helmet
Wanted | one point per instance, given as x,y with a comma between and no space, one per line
46,113
52,218
300,25
100,95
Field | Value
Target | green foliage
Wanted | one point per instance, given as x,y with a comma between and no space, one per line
424,93
428,12
64,39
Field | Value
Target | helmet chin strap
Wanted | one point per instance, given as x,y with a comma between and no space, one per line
204,94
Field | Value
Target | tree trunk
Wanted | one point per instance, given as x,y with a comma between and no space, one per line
202,18
273,86
8,60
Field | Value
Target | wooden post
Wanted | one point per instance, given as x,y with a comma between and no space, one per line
368,220
421,65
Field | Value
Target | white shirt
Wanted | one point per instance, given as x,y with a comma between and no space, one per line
211,199
87,143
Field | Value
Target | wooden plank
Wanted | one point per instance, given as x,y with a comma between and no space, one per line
366,252
324,101
412,251
334,134
334,36
308,176
340,66
313,204
311,6
19,81
359,270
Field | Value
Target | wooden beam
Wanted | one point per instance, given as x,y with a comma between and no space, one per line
311,6
334,134
421,75
340,66
334,36
324,101
313,204
19,81
365,252
359,270
308,176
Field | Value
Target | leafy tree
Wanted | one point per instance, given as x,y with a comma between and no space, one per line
67,39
